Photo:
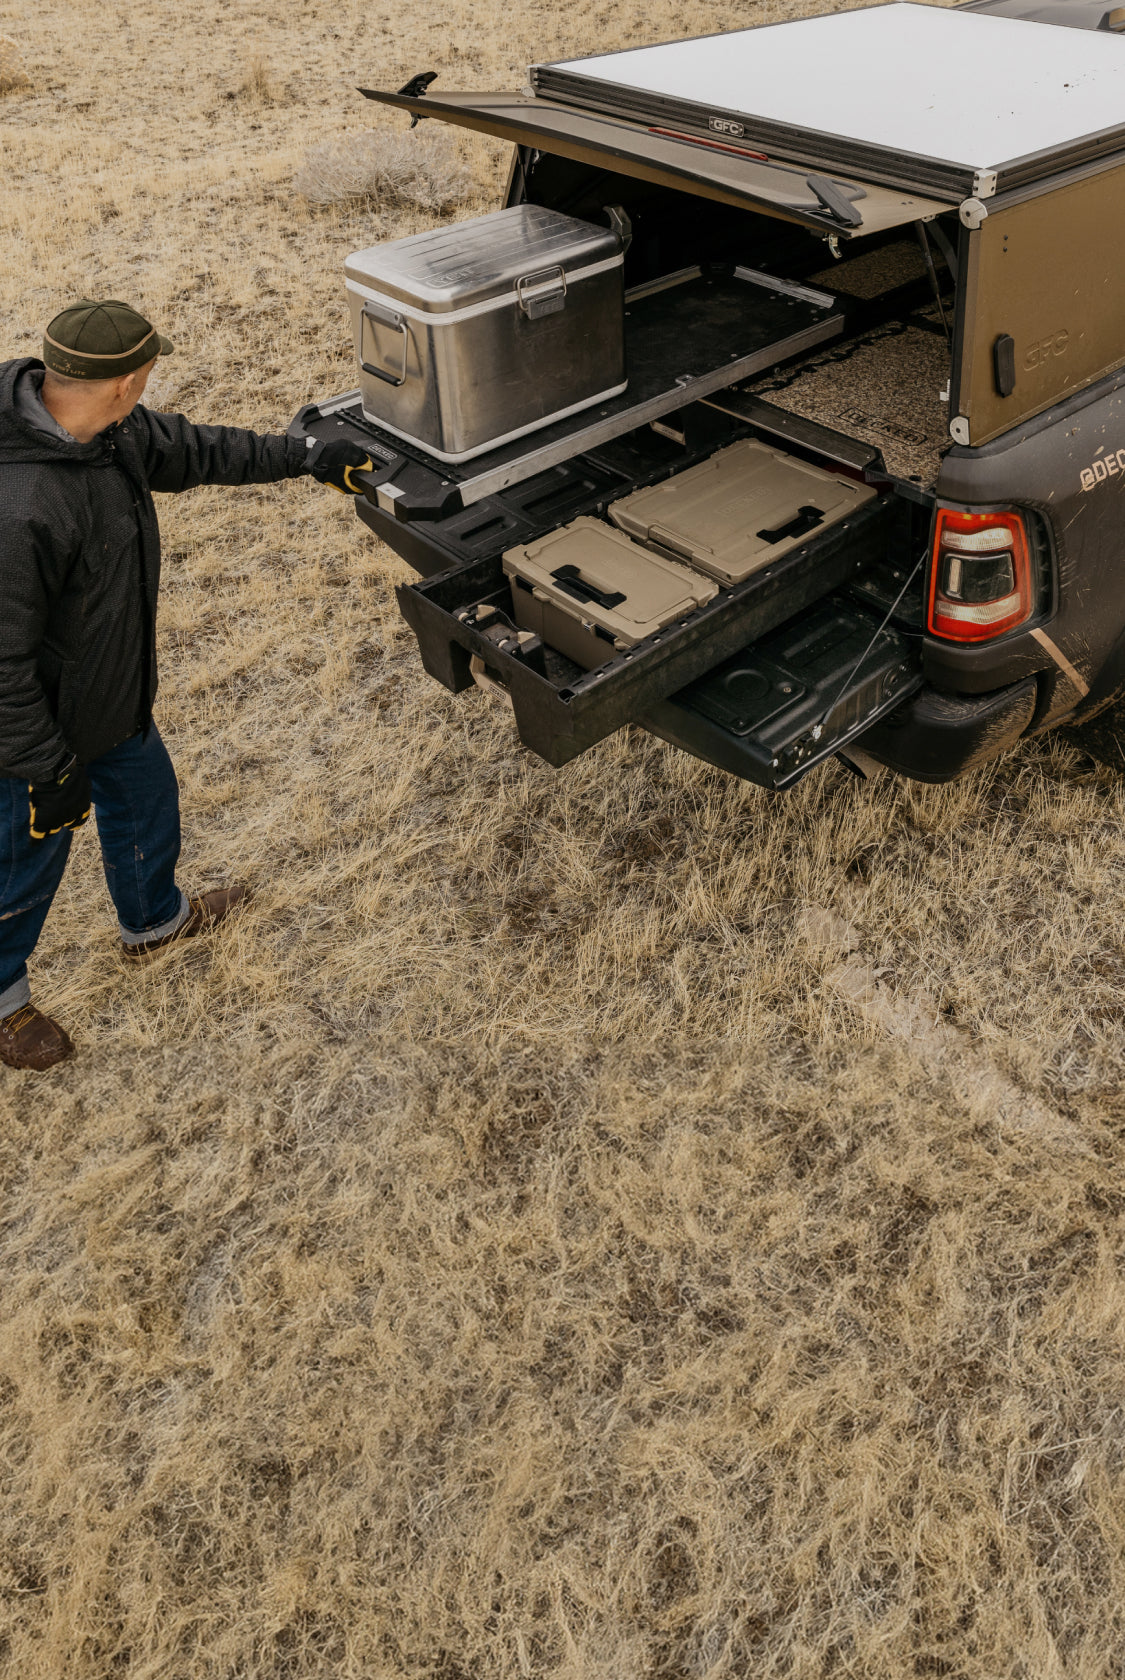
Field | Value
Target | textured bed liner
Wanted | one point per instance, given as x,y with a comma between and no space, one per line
884,388
872,272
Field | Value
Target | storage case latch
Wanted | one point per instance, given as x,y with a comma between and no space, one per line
547,302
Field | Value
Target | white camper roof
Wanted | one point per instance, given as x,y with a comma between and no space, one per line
922,95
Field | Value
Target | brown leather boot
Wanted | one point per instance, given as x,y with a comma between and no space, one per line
30,1039
204,913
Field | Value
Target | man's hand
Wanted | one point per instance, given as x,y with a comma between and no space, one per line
63,803
333,463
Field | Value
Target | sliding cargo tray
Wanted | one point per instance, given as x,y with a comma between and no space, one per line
561,710
686,335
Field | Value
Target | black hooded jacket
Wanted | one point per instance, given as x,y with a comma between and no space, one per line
80,570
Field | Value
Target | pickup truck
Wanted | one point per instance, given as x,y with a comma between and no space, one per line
886,242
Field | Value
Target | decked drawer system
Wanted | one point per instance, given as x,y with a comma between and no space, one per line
462,610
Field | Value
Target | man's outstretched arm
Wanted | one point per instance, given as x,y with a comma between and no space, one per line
179,455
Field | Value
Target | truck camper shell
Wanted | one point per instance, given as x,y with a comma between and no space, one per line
902,93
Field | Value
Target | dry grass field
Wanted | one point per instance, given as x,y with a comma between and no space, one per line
598,1224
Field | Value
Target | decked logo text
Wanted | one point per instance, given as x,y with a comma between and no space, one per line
1110,466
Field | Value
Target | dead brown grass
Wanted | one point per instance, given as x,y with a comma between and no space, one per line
584,1224
258,87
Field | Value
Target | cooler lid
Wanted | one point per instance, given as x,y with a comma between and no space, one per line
927,97
593,572
740,509
465,263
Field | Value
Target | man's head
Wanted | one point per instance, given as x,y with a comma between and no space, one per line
98,357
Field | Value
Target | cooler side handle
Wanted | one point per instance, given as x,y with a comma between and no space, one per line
386,318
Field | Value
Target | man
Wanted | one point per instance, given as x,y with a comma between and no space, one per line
79,574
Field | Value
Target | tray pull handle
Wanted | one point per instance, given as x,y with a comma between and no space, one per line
542,302
386,318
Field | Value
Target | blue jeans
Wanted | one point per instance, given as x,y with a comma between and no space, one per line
137,807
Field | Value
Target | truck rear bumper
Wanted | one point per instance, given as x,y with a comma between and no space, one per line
936,737
930,737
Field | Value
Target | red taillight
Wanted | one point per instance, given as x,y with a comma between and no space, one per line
980,576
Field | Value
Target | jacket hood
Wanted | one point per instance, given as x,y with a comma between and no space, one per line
20,442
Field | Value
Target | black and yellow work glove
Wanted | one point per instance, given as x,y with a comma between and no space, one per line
333,464
63,803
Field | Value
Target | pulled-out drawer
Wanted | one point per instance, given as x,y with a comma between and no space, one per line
561,710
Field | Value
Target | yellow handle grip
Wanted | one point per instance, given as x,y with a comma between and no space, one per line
366,466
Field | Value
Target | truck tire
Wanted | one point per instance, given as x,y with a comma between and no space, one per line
1103,736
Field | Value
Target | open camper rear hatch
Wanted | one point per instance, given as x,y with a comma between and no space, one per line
718,168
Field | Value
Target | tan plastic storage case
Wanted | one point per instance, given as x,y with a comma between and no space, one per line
590,592
719,515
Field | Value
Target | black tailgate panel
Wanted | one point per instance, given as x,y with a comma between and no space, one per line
797,695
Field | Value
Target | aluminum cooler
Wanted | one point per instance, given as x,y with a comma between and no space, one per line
472,335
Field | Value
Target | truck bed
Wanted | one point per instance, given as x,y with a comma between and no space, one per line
715,353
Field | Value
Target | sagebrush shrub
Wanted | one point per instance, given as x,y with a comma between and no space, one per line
420,168
12,73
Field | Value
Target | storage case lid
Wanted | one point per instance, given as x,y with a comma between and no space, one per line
595,574
738,510
473,262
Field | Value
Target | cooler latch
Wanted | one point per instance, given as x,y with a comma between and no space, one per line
542,302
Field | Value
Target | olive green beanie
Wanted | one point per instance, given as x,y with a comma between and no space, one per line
101,341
